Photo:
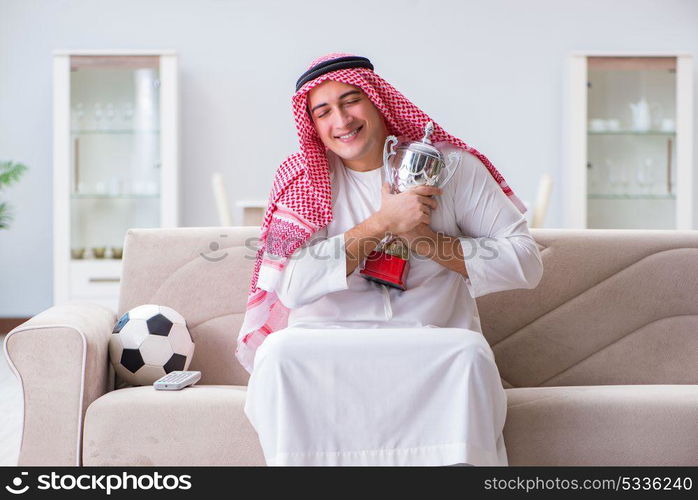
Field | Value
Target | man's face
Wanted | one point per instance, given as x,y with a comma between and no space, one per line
338,109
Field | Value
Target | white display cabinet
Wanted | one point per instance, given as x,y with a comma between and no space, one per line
115,162
629,159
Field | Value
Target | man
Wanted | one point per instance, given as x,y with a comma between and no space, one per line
351,372
405,214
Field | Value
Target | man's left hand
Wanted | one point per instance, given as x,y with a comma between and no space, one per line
420,240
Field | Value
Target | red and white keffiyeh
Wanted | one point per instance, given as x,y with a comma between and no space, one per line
301,196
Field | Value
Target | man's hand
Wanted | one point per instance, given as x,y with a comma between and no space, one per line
401,213
420,240
439,247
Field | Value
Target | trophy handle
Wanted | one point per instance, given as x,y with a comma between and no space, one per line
388,151
453,162
384,242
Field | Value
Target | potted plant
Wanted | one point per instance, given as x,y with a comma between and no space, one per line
10,172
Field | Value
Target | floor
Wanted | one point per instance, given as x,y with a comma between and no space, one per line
10,412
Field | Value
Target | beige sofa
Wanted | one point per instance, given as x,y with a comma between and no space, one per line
600,361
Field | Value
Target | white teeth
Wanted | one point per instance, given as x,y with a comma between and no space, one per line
349,135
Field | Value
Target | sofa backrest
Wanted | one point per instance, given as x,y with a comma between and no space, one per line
613,306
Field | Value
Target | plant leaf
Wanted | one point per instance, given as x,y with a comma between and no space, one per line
10,172
5,215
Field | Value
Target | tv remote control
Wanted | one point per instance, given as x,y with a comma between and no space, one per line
177,380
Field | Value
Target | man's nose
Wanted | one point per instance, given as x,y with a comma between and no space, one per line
345,118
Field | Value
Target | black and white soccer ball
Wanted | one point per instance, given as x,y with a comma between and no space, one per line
148,342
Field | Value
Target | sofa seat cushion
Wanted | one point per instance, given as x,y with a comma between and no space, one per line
198,425
569,425
603,425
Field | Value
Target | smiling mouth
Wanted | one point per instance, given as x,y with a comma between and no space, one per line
351,134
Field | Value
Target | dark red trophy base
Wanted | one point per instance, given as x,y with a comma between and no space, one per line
387,269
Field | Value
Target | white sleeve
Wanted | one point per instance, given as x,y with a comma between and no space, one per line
500,253
313,270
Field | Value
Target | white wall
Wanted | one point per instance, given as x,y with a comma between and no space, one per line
491,72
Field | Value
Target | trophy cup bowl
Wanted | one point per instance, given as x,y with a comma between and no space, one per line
407,164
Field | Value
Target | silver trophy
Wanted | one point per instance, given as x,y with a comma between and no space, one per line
407,164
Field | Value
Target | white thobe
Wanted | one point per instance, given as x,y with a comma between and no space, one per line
366,374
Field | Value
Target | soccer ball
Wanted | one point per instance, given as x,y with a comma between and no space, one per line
148,342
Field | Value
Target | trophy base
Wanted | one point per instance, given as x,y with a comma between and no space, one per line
386,269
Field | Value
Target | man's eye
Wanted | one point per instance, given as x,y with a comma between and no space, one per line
348,102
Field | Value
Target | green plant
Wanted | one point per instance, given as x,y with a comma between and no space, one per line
10,172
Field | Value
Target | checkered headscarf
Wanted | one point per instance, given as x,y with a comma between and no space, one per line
300,201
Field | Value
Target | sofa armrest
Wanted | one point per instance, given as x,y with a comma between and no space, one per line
61,358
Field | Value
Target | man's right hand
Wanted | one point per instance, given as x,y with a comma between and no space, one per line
402,212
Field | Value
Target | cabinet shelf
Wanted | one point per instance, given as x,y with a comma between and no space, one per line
95,259
632,132
93,196
610,196
112,132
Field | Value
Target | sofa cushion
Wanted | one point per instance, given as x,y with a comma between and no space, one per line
198,425
614,307
603,425
203,274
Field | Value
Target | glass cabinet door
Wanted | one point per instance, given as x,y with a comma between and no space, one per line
115,179
631,142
